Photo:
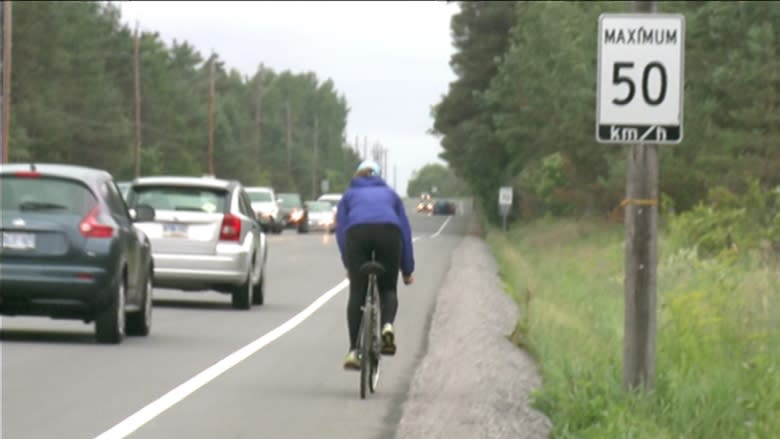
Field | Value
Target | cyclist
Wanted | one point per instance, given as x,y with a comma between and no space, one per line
371,217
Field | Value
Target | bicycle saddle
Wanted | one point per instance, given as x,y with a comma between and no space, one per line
372,267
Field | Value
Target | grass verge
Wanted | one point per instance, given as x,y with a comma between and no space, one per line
718,341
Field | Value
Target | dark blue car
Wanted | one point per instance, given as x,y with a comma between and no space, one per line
69,249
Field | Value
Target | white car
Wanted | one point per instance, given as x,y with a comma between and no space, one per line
264,203
332,199
321,216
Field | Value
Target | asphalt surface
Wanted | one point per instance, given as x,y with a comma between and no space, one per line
208,371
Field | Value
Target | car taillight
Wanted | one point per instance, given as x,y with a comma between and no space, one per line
91,228
230,229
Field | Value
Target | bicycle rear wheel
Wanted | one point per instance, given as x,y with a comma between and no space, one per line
375,347
366,328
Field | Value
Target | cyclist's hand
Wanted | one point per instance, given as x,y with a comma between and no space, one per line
408,280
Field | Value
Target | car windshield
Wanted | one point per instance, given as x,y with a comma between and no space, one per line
318,206
289,200
184,198
45,195
260,196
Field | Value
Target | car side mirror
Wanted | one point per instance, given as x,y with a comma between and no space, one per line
142,213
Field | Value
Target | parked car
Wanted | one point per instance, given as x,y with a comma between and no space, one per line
205,236
443,207
321,216
293,212
70,249
266,207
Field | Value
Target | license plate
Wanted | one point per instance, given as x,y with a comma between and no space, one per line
175,230
18,241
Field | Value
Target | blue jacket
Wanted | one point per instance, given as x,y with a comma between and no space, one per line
370,201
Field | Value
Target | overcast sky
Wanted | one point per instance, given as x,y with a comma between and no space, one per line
389,59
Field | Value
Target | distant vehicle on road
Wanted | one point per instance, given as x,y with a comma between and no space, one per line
205,236
70,249
443,207
426,203
321,216
293,212
266,207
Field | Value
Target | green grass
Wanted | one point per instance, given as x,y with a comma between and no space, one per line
718,340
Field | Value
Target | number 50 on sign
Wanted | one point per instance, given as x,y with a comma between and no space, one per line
640,78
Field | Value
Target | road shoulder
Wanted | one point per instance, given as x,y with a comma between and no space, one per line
472,382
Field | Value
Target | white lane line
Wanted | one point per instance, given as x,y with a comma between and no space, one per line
154,409
442,227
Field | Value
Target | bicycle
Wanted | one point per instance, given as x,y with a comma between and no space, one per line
369,340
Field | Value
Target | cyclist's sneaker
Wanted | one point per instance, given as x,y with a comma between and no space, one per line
388,339
351,361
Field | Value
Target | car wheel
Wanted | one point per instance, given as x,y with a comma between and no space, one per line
140,322
241,297
110,321
257,290
303,228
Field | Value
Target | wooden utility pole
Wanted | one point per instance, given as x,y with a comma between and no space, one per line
289,137
211,117
315,158
641,220
137,102
5,104
259,120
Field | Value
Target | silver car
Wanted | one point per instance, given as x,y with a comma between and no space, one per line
205,236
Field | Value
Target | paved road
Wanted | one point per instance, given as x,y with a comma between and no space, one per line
190,377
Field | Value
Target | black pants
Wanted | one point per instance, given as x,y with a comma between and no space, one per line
385,241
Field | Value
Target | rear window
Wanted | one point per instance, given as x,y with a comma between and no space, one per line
260,196
45,195
290,200
193,199
318,206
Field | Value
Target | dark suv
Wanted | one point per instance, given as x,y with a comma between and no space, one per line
71,249
292,212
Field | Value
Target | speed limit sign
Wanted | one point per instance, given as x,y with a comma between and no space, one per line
640,78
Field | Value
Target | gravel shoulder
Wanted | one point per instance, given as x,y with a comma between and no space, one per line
473,382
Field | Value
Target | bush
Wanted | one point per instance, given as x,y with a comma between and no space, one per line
729,221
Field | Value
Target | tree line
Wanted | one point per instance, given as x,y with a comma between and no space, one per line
72,101
522,109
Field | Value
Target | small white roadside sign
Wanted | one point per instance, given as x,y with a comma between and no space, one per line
505,196
640,78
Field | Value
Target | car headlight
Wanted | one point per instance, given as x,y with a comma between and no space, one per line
296,215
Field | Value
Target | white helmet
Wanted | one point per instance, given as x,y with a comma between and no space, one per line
371,165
